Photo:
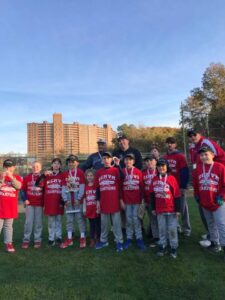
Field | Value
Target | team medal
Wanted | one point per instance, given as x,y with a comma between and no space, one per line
129,178
71,184
165,189
206,176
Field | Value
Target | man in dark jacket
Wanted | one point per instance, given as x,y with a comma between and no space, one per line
124,149
94,161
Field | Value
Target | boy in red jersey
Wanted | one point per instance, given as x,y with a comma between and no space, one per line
10,183
166,205
108,184
90,207
53,207
148,174
132,187
72,194
179,169
209,191
33,201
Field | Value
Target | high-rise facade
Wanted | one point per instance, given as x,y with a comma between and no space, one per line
55,138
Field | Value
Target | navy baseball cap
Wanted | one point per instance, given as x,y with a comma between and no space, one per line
150,157
162,162
71,158
204,149
130,155
121,137
107,153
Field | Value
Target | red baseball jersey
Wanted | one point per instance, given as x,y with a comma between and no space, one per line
177,161
91,203
218,152
34,194
207,185
148,175
109,183
166,189
53,195
9,199
132,186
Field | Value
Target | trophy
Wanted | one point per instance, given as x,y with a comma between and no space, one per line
72,190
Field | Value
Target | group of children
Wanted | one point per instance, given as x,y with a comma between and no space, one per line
100,196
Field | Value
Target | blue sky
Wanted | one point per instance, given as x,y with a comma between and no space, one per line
102,61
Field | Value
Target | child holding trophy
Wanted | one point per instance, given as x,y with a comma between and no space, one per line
72,194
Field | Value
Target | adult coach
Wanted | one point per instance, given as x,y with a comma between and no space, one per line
179,169
94,161
125,149
197,141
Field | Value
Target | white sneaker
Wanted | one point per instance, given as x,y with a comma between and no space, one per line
205,243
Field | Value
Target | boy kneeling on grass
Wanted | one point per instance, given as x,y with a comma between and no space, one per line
165,199
108,185
209,191
132,186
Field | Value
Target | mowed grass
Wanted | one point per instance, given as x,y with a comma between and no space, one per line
104,274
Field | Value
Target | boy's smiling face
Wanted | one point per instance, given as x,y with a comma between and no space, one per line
129,162
207,157
107,161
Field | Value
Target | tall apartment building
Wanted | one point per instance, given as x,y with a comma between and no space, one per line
54,138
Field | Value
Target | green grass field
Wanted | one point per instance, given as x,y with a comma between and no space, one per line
104,274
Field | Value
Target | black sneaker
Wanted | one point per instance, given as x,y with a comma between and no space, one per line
58,241
173,253
162,251
214,248
154,243
51,243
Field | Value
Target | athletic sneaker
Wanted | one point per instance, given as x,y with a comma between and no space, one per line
58,241
119,247
162,251
187,233
25,245
140,244
154,243
127,244
66,243
205,243
173,253
215,248
51,243
82,243
37,244
10,248
101,245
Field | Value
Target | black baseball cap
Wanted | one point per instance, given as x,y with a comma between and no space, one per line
170,140
150,157
162,162
8,163
122,137
130,155
57,159
204,149
191,132
71,158
107,153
